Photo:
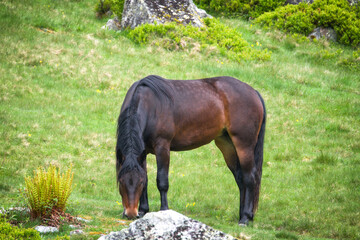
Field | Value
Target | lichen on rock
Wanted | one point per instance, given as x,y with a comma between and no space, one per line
167,225
137,12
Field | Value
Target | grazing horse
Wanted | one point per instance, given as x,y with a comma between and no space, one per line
160,115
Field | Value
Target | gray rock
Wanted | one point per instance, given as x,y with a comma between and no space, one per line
296,2
353,2
74,226
137,12
112,24
77,232
14,209
166,225
46,229
82,219
327,33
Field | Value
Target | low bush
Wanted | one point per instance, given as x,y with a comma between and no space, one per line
252,8
303,18
117,7
103,6
9,232
228,41
48,190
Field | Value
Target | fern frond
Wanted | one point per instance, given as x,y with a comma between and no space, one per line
48,189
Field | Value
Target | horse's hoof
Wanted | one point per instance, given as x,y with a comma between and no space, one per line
243,222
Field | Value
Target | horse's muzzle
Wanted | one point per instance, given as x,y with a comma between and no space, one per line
131,213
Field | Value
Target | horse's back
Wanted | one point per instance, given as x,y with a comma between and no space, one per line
194,112
205,108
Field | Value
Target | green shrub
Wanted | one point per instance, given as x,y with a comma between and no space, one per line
303,18
102,7
292,18
228,41
252,8
48,190
116,6
8,232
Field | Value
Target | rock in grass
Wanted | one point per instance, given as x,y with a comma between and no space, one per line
112,24
82,220
321,32
137,12
76,232
46,229
166,225
296,2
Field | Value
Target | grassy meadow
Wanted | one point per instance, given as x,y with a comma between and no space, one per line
63,80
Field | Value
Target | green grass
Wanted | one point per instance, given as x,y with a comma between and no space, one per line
63,80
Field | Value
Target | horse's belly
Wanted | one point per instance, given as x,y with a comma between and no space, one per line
196,135
198,120
182,144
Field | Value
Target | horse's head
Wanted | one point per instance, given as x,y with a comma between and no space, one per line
132,180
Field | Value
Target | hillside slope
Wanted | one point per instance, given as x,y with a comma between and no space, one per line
63,80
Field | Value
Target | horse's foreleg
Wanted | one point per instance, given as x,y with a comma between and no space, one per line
162,152
144,202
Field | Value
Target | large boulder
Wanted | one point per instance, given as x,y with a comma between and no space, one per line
137,12
166,225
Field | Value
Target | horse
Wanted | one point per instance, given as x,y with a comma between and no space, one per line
160,115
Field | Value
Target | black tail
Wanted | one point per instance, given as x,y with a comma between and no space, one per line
258,154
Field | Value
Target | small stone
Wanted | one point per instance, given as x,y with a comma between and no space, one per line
82,219
102,237
76,232
112,24
296,2
46,229
74,226
122,222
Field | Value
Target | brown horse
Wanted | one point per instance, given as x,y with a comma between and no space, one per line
159,116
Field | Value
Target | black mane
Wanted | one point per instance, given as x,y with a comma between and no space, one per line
129,140
129,135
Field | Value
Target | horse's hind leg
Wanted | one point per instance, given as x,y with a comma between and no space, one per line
228,150
245,153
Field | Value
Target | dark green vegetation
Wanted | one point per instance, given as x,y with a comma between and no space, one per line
10,232
304,18
103,6
252,8
63,80
214,37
